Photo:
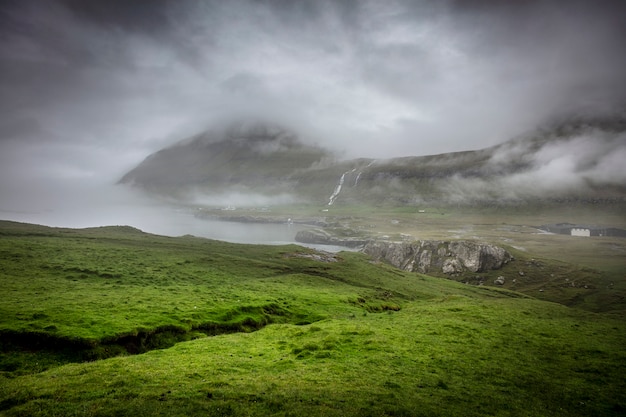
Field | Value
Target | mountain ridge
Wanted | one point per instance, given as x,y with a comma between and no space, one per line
568,160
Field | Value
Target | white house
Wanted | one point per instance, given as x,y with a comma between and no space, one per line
576,231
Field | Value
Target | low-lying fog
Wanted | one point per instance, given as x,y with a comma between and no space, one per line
118,205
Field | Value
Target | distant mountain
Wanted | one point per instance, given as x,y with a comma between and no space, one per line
246,157
573,159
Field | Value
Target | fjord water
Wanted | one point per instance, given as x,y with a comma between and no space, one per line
119,206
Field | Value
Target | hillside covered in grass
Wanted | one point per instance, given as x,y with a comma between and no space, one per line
114,321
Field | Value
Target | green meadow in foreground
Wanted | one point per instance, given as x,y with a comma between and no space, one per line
113,321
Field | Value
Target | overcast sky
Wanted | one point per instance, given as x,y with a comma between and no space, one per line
89,88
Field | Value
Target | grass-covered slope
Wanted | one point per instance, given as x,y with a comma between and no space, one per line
335,334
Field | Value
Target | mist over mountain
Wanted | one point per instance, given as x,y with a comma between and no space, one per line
90,88
256,160
246,163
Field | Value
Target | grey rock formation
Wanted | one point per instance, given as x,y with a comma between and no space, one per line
452,257
322,237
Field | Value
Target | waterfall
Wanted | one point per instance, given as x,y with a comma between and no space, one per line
358,177
335,193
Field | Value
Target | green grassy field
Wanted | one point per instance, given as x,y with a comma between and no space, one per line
113,321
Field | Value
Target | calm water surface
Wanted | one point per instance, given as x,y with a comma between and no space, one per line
154,218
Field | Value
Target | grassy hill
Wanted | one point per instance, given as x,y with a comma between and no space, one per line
113,321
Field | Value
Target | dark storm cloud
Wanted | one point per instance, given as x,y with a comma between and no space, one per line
89,88
135,16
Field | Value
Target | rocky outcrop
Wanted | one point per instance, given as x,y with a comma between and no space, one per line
433,256
322,237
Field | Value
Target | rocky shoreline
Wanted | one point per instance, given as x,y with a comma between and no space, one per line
323,237
435,256
451,257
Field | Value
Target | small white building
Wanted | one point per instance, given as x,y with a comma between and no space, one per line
576,231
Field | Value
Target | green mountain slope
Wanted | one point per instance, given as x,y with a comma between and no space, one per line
228,329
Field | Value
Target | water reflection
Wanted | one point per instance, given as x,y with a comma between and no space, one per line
163,220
